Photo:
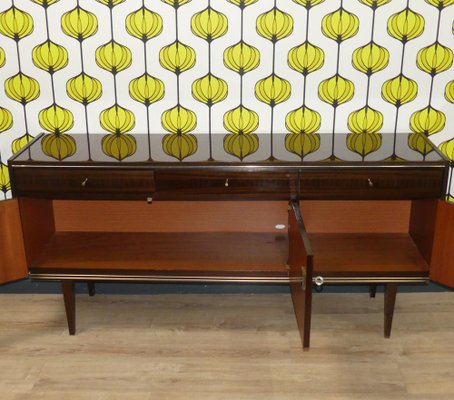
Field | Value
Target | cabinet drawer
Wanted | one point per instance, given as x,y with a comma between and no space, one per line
223,185
79,183
372,184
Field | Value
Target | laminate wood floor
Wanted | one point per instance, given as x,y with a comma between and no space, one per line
225,346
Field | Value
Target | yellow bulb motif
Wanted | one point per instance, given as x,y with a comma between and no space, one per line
113,57
241,120
84,89
272,90
50,56
405,25
303,120
119,146
306,58
19,143
427,121
56,119
399,90
209,24
274,25
435,58
2,57
58,146
79,23
370,58
117,119
6,119
447,148
449,92
241,58
22,88
15,23
365,120
340,25
144,24
146,89
209,89
336,90
177,57
5,183
179,120
179,146
364,143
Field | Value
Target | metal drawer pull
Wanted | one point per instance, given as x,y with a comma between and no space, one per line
226,184
84,182
369,181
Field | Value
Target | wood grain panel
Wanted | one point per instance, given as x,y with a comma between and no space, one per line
349,216
338,254
410,183
13,264
203,252
229,216
422,226
37,224
442,263
83,183
208,184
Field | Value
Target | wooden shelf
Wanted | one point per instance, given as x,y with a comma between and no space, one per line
194,253
367,254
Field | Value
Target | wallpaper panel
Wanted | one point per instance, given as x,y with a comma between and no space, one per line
236,68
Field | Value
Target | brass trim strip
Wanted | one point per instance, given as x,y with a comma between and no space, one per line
393,279
163,278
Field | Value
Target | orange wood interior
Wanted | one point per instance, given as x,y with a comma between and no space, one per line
13,264
229,216
442,263
202,251
369,253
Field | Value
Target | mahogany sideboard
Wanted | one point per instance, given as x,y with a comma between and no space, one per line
81,214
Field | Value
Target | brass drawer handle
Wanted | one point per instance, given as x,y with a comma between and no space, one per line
370,183
84,182
226,184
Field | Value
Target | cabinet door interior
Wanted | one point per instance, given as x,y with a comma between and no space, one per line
13,265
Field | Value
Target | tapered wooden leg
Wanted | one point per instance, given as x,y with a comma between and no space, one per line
69,296
390,301
302,305
91,288
372,290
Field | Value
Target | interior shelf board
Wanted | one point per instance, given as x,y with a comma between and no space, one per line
366,253
179,252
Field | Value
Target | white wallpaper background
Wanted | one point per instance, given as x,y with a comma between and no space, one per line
230,67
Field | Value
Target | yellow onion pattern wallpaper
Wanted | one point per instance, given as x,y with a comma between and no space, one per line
236,68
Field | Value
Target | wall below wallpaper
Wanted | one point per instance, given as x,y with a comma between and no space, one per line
237,68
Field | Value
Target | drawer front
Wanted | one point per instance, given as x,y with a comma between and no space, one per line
79,183
398,183
223,185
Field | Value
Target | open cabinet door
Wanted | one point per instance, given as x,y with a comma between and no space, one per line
442,262
300,263
13,265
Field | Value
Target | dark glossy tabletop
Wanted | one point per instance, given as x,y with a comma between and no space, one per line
284,148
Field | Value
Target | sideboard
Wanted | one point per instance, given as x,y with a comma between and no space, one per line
81,214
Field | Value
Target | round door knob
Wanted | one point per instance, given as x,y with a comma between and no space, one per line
370,183
226,184
84,182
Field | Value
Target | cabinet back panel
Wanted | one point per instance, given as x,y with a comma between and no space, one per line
229,216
